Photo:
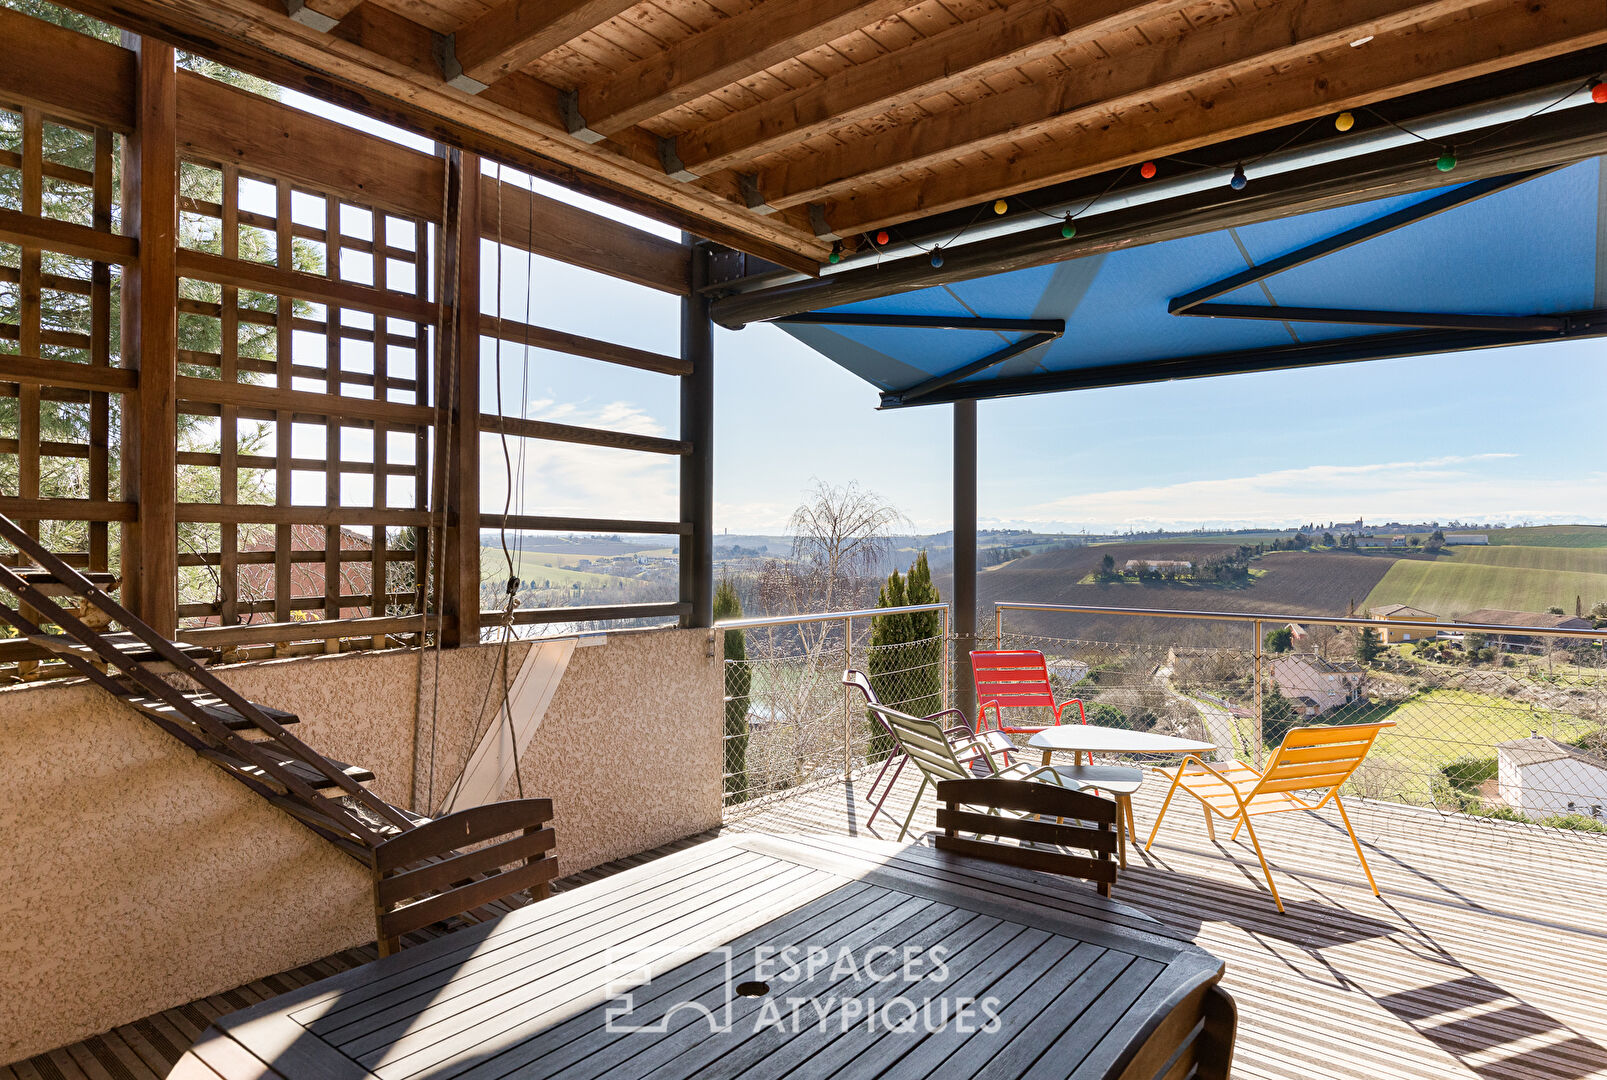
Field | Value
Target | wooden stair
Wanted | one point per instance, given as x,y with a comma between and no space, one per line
64,614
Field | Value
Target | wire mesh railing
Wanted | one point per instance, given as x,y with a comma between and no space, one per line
1493,722
1496,723
790,723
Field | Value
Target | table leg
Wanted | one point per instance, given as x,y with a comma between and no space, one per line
1124,810
1047,757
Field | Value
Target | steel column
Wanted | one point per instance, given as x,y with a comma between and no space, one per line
964,554
697,428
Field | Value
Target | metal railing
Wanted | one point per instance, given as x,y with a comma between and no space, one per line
1490,721
791,723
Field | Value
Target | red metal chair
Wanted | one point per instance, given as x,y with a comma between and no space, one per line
1015,678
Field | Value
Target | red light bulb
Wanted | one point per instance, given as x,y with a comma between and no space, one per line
1598,93
882,238
1147,170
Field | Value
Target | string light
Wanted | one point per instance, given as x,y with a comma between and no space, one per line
1598,92
1068,230
1446,161
836,255
1345,121
937,256
1147,170
1000,206
1239,179
882,238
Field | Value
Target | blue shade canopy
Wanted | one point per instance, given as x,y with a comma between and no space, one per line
1506,260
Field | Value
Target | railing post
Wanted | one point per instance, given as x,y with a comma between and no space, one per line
848,702
998,626
948,670
1260,720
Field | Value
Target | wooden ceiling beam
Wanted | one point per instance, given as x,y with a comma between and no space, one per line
1197,61
1489,39
733,50
514,34
519,124
1025,31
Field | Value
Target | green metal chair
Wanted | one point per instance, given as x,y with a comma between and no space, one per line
939,757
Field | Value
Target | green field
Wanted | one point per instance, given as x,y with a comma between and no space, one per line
1441,726
1512,578
538,567
1562,536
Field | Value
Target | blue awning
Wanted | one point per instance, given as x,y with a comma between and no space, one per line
1498,261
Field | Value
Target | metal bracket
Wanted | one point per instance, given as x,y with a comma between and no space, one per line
752,196
574,123
445,47
306,16
817,221
671,160
726,264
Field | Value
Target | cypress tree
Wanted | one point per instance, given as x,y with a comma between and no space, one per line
738,683
906,656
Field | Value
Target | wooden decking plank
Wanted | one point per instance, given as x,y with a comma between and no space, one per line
154,1059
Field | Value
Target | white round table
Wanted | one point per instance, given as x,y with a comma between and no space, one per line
1120,780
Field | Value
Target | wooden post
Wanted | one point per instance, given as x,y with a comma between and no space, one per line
150,342
457,384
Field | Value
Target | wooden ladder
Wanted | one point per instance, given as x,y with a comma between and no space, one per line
248,741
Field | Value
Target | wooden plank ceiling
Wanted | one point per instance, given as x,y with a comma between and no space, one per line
733,118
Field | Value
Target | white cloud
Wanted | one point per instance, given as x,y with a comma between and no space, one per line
1441,488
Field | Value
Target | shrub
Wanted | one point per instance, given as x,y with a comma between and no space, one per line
1466,774
738,684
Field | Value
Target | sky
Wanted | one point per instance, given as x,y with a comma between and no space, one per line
1497,436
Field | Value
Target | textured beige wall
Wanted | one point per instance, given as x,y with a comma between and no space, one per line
139,877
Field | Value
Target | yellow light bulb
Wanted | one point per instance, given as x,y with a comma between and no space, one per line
1000,206
1344,121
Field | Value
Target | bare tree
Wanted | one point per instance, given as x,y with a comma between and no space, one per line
840,538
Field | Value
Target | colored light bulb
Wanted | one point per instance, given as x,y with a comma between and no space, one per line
1598,93
1147,170
1344,121
1446,161
1239,179
1000,206
1068,230
937,256
882,238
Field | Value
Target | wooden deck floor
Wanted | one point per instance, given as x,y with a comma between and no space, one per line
1486,956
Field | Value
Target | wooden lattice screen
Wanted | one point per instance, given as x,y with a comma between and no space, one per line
241,281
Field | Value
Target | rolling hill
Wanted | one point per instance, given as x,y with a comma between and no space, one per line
1514,578
1565,536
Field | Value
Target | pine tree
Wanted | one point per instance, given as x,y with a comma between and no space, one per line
906,650
738,683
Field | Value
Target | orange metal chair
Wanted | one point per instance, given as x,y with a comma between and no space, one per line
1012,678
1310,759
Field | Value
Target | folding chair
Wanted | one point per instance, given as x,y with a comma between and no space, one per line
995,741
1310,759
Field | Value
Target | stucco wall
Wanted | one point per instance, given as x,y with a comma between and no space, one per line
138,876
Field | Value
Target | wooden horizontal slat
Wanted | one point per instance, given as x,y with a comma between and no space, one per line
530,616
213,459
65,73
569,433
1031,798
1028,829
445,835
67,509
36,371
533,222
540,337
235,127
208,513
467,898
536,523
308,630
1053,862
438,875
271,279
218,392
267,558
79,241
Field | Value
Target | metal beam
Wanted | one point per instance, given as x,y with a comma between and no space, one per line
697,466
927,322
1582,324
914,394
1388,223
1428,320
965,444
